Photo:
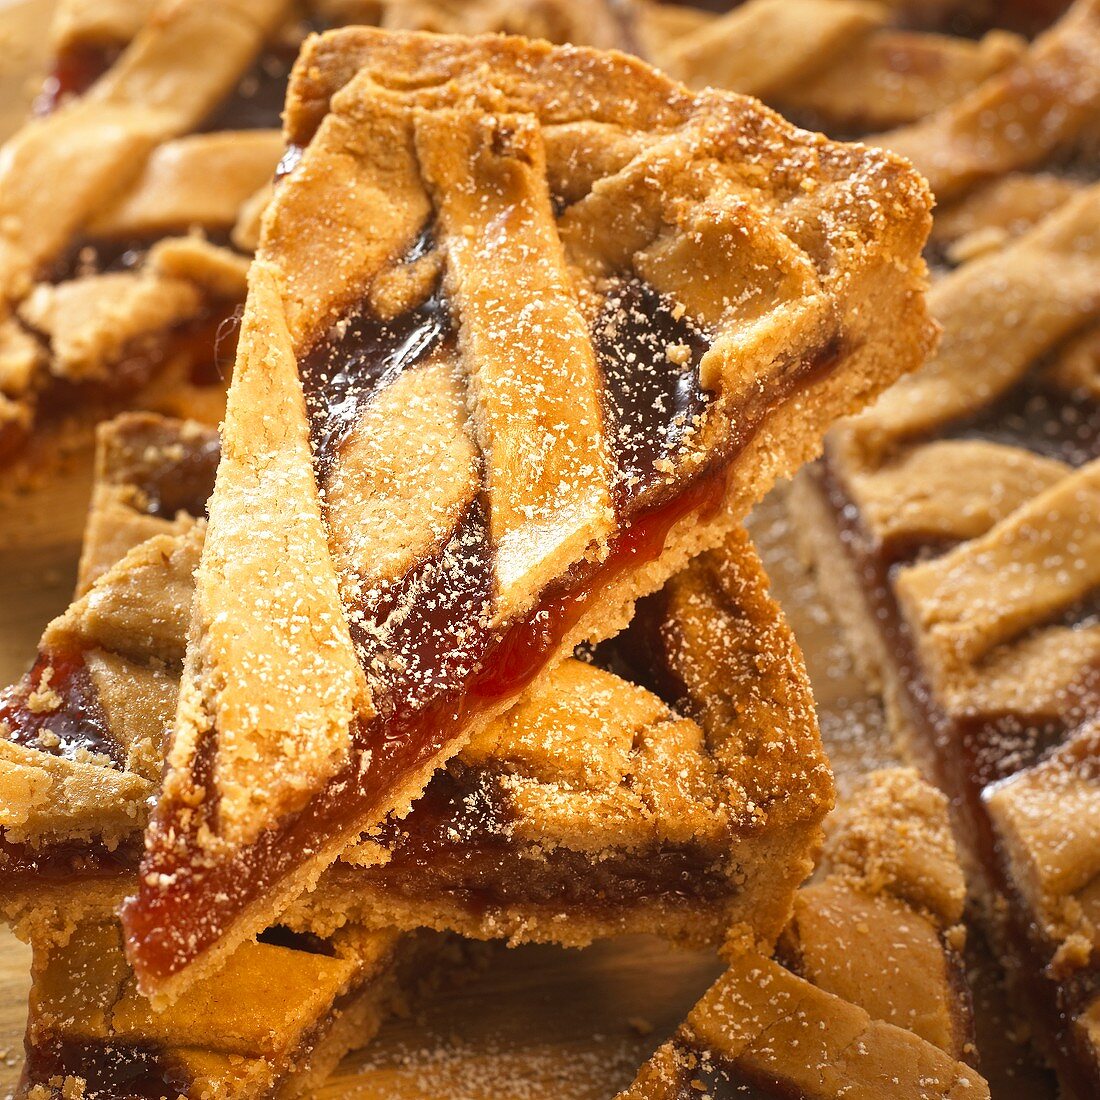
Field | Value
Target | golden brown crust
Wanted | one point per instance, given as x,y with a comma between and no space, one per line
875,1009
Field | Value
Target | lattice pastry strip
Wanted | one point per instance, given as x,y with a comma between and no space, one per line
432,641
839,66
547,470
835,65
116,307
1031,567
147,97
1001,315
981,627
1048,816
1044,107
816,1029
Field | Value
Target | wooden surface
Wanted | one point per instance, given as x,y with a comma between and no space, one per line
538,1022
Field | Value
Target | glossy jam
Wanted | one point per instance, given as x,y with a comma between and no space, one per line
169,926
651,403
117,1070
26,865
457,843
969,754
359,358
75,724
75,71
180,476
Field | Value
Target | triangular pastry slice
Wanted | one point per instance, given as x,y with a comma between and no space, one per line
493,394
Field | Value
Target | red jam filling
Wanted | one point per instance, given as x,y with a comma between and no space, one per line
75,71
55,709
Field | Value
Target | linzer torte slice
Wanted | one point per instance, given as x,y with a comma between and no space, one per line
872,1001
129,207
588,810
591,808
274,1022
480,406
958,524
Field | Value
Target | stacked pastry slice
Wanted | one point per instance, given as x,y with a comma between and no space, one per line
283,1009
672,832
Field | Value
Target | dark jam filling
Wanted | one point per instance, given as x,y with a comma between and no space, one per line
969,754
178,480
207,342
75,70
256,103
121,1071
55,709
361,357
458,843
169,926
1039,417
705,1075
651,403
62,861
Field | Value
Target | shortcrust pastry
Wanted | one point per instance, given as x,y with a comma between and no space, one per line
871,1001
591,808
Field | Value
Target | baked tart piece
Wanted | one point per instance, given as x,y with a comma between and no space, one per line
958,522
588,810
837,1018
275,1021
130,208
480,406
